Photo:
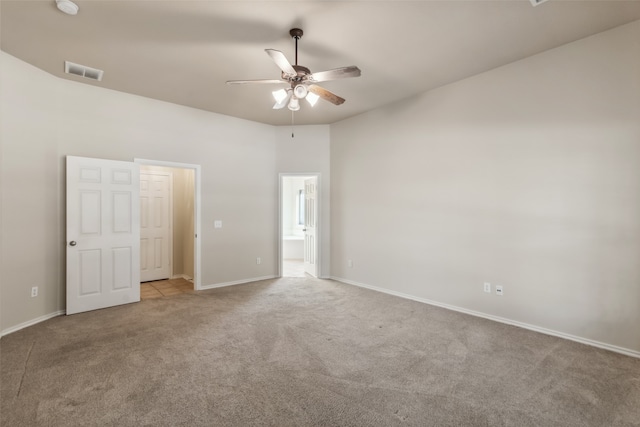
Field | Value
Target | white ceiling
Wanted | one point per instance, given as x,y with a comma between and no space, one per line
183,51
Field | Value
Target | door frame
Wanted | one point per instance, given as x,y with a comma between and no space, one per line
317,175
197,280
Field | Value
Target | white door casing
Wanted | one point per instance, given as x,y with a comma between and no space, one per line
310,218
155,225
103,237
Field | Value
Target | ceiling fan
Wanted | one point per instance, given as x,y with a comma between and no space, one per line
301,80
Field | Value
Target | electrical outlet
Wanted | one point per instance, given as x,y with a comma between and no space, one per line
258,261
349,263
499,290
487,287
34,291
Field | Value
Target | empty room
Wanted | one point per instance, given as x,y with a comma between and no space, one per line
320,213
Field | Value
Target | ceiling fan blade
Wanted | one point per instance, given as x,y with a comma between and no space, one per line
282,62
326,95
338,73
242,82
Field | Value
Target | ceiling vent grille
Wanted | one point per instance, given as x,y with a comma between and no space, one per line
537,2
83,71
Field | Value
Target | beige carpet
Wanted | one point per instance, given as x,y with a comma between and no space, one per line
305,352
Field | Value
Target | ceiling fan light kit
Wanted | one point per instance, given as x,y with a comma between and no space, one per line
301,80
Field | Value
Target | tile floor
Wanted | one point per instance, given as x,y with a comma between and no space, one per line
293,268
165,288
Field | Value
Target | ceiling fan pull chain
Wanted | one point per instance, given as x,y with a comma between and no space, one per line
292,136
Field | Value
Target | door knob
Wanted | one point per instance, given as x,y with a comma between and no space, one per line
72,243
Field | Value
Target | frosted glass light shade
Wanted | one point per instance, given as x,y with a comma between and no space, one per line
294,104
300,91
279,95
281,101
312,98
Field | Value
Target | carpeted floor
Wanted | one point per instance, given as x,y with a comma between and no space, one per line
305,352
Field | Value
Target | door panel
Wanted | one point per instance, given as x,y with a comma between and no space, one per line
122,268
155,225
91,213
90,280
122,221
103,240
158,255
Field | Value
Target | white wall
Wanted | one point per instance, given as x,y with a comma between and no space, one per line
29,175
309,152
45,118
527,176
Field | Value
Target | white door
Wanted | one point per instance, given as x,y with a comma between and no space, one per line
103,234
155,226
310,215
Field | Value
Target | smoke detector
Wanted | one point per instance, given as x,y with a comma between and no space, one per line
67,6
537,2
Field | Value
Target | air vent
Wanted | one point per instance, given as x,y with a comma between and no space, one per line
83,71
537,2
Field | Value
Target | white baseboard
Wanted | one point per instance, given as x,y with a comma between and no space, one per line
605,346
61,312
237,282
32,322
182,276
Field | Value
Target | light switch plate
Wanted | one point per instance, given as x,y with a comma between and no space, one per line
217,224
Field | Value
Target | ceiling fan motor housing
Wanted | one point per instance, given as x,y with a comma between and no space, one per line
301,74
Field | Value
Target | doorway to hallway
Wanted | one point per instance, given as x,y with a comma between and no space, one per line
166,223
299,207
179,217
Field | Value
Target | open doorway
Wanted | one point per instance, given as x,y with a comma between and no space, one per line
299,207
169,224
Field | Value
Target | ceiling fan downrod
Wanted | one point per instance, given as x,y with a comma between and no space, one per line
296,33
